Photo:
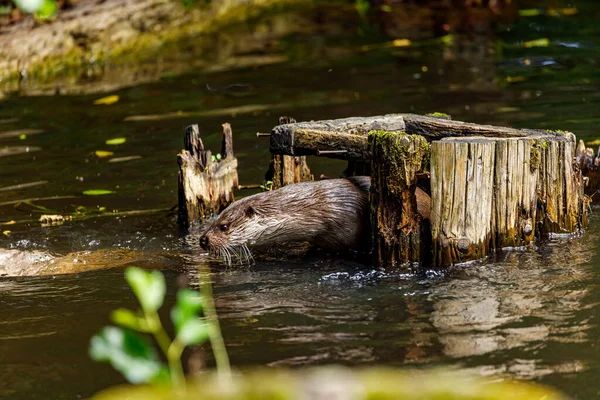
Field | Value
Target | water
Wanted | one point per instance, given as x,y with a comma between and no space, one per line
529,314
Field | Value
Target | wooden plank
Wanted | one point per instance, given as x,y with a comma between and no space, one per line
346,138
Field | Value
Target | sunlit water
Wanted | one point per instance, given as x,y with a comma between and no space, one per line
529,314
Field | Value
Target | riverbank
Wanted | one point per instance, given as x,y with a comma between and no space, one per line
87,39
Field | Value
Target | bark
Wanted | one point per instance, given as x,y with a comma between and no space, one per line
397,227
205,185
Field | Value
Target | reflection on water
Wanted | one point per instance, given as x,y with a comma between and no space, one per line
528,314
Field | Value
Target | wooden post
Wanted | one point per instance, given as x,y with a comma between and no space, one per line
284,169
395,222
562,201
461,196
206,185
493,193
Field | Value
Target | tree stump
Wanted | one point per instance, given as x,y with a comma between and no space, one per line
492,187
562,201
494,193
397,226
206,182
285,169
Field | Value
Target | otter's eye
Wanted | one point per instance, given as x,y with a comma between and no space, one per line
223,227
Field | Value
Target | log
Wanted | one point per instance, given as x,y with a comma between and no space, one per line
332,137
397,227
205,185
350,134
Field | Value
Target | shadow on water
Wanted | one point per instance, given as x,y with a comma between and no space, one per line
527,314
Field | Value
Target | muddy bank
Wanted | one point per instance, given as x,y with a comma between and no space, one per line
100,46
90,38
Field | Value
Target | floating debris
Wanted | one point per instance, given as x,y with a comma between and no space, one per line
48,219
107,100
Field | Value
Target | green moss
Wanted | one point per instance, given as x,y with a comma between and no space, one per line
404,155
438,114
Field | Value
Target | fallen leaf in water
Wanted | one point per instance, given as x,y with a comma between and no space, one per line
507,109
107,100
593,142
557,12
122,159
11,222
6,233
116,141
543,42
513,79
530,12
20,133
102,153
97,192
401,43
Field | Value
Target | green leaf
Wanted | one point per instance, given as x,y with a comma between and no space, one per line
48,9
129,353
149,287
97,192
218,156
29,6
193,331
127,319
189,304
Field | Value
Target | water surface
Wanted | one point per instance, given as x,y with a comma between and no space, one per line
527,314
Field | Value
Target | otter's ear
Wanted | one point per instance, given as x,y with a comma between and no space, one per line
251,211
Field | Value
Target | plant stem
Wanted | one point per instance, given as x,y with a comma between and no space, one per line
174,359
170,349
215,336
158,331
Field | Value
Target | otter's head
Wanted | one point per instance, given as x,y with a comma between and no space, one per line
236,228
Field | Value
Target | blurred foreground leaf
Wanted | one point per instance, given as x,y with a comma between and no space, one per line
48,9
148,286
29,6
189,305
129,353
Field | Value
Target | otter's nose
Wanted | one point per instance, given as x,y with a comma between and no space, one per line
204,242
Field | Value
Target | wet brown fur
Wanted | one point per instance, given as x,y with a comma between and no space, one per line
330,213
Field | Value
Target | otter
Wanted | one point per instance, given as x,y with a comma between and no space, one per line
331,213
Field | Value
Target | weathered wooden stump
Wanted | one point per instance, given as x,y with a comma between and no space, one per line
395,221
287,169
206,182
491,187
